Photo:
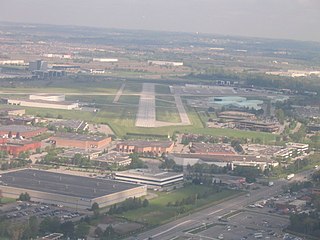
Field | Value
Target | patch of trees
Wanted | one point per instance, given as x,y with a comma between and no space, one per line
24,197
136,162
250,173
205,168
128,204
16,163
33,228
305,223
108,234
171,165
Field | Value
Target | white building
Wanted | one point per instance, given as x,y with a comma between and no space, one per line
153,179
165,63
105,60
43,104
48,97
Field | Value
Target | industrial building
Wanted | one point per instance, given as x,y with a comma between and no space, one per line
257,126
74,125
16,120
67,190
160,180
38,65
83,141
21,131
146,147
209,148
15,146
222,160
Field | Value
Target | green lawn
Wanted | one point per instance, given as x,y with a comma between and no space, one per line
167,114
158,213
122,120
134,100
162,89
7,200
132,87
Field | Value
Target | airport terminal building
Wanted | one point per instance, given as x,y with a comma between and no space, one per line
67,190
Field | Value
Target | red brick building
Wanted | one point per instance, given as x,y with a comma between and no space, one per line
80,141
23,131
154,147
15,147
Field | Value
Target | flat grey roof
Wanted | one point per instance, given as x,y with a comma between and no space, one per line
148,174
64,184
19,128
80,137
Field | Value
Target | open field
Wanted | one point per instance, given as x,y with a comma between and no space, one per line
67,86
122,121
162,89
167,114
6,200
132,87
158,212
131,100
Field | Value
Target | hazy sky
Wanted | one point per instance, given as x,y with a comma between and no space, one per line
292,19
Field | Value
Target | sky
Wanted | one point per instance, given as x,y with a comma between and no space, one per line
288,19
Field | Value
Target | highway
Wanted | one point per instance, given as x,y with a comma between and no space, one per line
176,228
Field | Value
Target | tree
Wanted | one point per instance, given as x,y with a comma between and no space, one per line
24,197
95,208
67,228
98,232
109,233
145,203
49,225
250,173
82,230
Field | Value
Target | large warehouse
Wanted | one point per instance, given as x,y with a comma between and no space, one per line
23,131
67,190
83,141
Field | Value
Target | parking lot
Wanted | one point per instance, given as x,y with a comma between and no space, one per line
23,210
247,224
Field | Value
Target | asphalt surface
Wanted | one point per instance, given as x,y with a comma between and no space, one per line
177,228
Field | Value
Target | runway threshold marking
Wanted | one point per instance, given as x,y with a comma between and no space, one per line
215,212
158,234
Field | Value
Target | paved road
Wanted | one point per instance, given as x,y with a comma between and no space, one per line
177,227
119,93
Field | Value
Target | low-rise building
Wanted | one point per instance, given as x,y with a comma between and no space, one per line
48,97
209,148
159,180
257,126
113,158
185,159
12,112
43,104
90,153
74,140
74,125
146,147
15,147
21,131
